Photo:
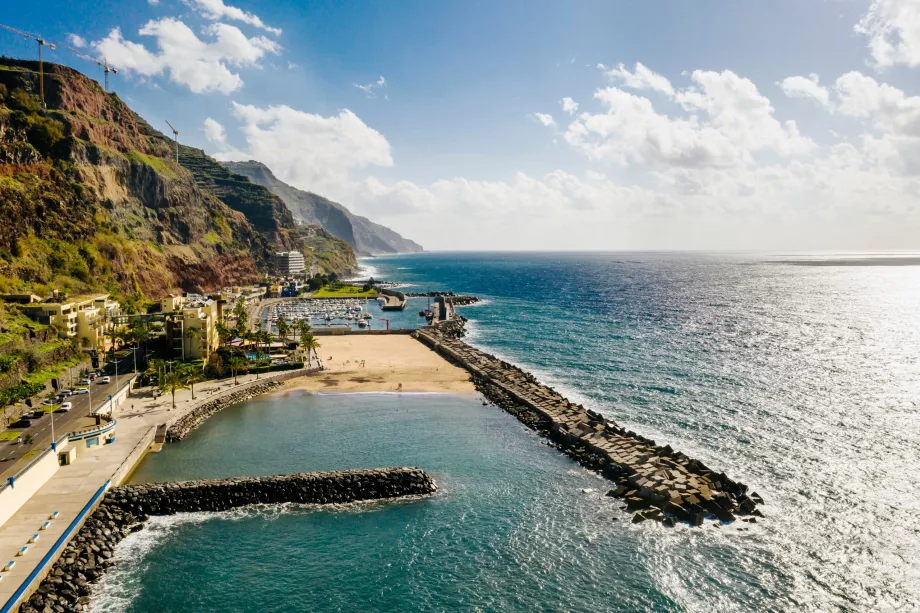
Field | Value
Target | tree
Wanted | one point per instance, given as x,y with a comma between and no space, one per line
303,329
311,345
157,366
224,334
191,375
171,383
283,328
238,363
188,334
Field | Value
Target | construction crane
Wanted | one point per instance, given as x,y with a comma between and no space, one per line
176,136
41,44
103,64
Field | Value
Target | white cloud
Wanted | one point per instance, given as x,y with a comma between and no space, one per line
642,78
76,40
893,29
569,105
545,119
153,2
370,88
309,151
215,132
721,172
199,65
216,10
730,121
806,87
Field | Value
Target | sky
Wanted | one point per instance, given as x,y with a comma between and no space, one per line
783,125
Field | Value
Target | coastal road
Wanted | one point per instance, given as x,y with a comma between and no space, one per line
12,454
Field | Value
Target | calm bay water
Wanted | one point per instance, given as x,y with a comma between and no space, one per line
800,381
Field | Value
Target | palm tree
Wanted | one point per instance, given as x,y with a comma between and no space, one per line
188,333
311,345
224,334
283,328
172,382
238,363
191,375
157,366
303,329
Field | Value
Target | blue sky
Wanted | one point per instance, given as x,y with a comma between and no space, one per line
450,149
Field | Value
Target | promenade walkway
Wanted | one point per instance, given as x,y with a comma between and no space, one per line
71,487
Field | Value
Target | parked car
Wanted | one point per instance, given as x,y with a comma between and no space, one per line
106,379
64,393
24,422
80,390
83,381
36,415
66,406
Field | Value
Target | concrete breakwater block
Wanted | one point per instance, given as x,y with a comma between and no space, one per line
124,510
655,480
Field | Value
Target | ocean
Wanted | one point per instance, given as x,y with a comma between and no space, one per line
798,380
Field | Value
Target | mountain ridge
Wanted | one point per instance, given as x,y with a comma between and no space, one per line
100,203
365,236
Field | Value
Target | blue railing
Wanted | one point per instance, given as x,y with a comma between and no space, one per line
14,599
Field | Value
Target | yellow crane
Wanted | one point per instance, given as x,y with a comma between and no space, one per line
42,43
103,64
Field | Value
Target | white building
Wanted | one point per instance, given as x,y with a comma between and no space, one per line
290,263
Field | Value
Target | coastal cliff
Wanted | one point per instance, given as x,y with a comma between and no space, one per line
364,236
101,204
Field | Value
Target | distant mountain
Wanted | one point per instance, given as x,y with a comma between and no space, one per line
365,236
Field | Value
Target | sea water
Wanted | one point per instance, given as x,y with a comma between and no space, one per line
800,381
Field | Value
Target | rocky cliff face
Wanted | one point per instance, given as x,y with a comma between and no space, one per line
365,236
100,203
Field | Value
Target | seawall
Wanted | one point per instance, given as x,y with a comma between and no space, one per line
182,426
125,509
655,481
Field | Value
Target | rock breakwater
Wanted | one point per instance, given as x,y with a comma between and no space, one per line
655,482
124,510
183,426
455,299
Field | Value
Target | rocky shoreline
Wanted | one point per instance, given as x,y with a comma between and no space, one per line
655,482
124,510
183,426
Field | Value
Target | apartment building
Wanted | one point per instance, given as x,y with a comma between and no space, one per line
83,319
191,328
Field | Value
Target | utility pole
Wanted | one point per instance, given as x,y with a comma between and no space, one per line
42,43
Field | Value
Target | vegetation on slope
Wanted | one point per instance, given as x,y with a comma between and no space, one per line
100,204
332,255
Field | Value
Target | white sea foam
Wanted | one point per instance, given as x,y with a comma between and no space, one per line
365,271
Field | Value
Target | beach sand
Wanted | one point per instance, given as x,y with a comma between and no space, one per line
389,361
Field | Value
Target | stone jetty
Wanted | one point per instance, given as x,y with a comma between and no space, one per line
456,299
655,482
124,510
183,426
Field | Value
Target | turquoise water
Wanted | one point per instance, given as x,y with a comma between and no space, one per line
511,529
799,381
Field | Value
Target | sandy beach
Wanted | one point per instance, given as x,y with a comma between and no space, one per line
388,362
